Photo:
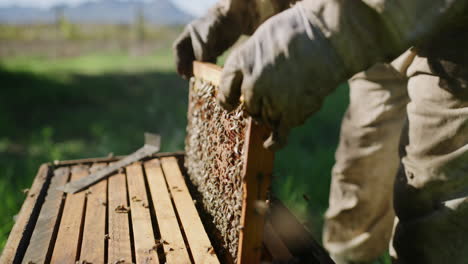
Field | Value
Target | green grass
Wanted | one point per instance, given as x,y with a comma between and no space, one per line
91,64
94,104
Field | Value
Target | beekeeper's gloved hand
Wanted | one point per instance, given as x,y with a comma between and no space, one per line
283,72
297,57
205,39
208,37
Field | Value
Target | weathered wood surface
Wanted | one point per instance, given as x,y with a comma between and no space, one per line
114,221
111,158
93,243
26,220
197,238
208,72
171,212
42,240
119,245
143,233
257,179
67,244
171,236
151,146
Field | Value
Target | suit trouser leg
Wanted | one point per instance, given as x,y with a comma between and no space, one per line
431,188
358,223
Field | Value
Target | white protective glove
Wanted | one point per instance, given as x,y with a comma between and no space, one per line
296,58
208,37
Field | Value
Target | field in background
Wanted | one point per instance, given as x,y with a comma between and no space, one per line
95,91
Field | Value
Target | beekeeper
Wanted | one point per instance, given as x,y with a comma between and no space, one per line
408,112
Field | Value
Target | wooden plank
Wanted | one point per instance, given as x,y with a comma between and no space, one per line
258,166
66,248
41,242
119,246
26,220
207,71
93,243
174,246
200,245
275,245
141,219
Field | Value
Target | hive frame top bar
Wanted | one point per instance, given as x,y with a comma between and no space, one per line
208,72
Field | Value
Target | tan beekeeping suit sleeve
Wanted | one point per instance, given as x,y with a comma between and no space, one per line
364,32
297,57
209,36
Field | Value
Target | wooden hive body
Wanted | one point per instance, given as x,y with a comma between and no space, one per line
142,214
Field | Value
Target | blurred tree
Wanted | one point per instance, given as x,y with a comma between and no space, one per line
140,23
59,11
65,29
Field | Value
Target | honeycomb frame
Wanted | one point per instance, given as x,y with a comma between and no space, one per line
226,162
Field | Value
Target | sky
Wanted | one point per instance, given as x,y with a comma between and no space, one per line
193,7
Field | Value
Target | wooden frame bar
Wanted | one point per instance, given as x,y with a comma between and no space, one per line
258,167
68,241
119,246
27,217
41,243
94,229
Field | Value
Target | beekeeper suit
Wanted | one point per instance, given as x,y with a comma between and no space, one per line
297,55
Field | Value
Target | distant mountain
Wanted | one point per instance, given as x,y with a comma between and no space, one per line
104,11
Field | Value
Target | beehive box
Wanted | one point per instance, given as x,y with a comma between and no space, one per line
135,216
153,211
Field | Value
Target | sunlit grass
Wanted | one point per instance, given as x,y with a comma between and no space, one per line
92,63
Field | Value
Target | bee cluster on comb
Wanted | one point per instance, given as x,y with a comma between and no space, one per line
214,161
